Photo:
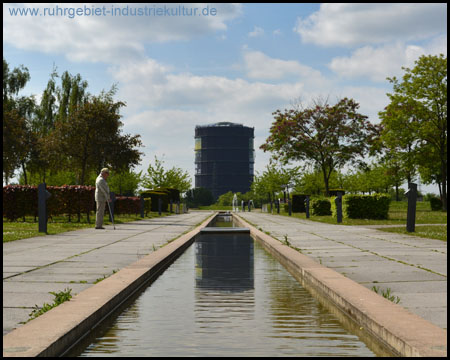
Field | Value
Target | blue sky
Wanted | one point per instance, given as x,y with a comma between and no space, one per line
240,65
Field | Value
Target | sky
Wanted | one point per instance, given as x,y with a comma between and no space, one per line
181,65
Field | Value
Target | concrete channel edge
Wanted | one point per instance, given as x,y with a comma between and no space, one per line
52,333
403,333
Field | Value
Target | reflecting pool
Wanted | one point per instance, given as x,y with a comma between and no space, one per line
224,296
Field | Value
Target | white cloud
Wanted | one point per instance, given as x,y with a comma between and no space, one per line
257,31
377,63
260,66
277,32
109,39
155,86
356,24
165,106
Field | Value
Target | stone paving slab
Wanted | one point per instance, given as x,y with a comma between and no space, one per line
415,269
33,267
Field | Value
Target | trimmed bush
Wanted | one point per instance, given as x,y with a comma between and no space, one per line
174,194
22,200
320,206
374,206
154,196
127,205
436,203
19,201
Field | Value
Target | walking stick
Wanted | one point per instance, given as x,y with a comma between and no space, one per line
109,207
110,213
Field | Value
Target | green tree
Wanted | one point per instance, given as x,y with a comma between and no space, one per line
15,126
419,100
199,197
157,176
91,138
226,199
273,180
71,94
326,136
125,182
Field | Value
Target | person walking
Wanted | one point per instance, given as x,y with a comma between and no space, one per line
101,197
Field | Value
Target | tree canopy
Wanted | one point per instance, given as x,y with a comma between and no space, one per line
158,177
415,121
326,136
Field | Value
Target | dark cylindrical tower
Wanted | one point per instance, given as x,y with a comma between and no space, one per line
224,157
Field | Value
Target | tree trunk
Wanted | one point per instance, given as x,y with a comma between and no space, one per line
24,173
325,179
444,187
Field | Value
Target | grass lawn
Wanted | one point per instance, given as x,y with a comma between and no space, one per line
16,230
397,216
431,232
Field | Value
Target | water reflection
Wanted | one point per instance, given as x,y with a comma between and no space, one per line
222,220
224,281
225,296
224,262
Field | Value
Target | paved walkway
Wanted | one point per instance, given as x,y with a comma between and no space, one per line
76,259
415,269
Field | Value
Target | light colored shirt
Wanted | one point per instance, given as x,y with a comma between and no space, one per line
101,189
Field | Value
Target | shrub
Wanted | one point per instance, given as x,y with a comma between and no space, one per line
22,200
19,201
127,205
435,203
227,199
374,206
174,194
154,196
199,197
320,207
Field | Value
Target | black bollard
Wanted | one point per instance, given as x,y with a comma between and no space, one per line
307,206
411,214
159,206
142,207
290,206
278,206
338,202
43,195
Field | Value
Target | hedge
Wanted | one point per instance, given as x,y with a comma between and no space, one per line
22,200
436,203
19,201
320,206
374,206
154,196
174,194
130,205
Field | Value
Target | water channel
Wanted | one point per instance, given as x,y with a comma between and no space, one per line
224,296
